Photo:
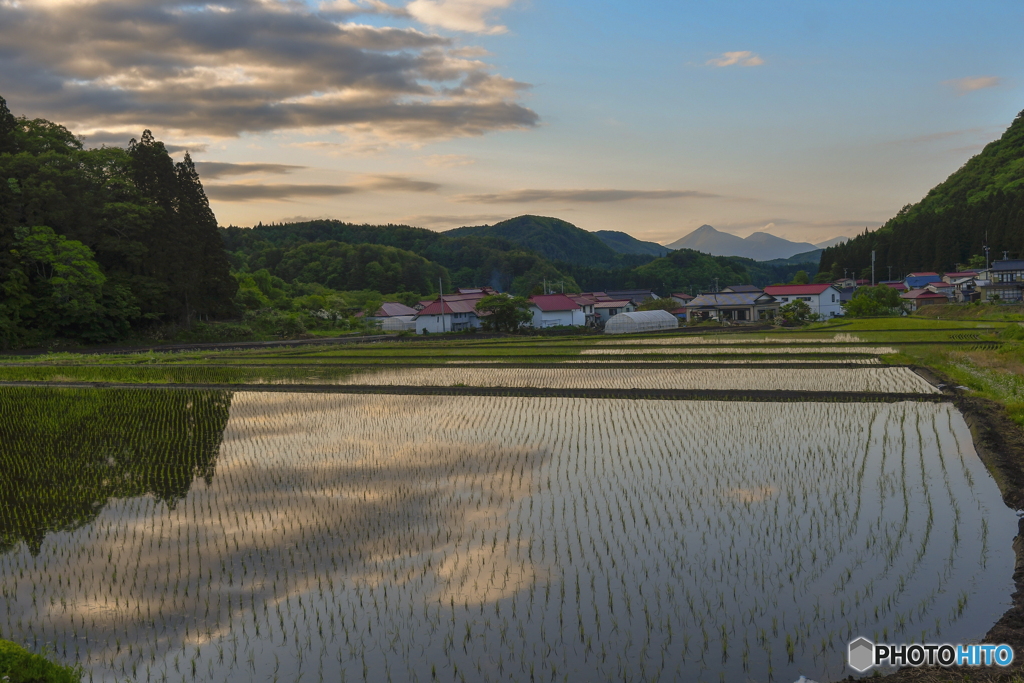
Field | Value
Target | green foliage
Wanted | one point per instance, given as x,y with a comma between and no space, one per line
471,260
796,312
507,314
800,278
983,200
1012,333
874,301
119,239
624,243
342,266
18,665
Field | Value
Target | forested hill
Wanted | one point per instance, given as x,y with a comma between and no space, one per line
467,261
983,200
554,239
94,243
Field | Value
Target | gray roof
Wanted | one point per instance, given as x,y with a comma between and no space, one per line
730,299
1008,264
741,288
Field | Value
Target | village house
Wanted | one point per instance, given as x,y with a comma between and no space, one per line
823,299
943,288
919,280
556,310
682,298
637,296
456,313
586,303
734,307
916,298
604,310
1006,281
740,289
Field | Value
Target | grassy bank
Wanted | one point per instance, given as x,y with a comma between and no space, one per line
18,665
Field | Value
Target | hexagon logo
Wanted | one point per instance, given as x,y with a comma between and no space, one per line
861,654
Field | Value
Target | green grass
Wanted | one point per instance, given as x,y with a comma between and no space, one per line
18,665
185,374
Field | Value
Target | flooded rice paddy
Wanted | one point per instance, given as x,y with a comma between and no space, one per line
284,537
683,350
900,380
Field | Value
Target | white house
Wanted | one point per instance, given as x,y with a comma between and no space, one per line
553,310
449,316
604,310
824,299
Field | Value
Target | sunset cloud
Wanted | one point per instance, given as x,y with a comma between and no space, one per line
744,58
584,196
247,192
962,86
246,66
471,16
210,170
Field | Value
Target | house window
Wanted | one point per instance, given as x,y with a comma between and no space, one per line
833,298
785,298
804,298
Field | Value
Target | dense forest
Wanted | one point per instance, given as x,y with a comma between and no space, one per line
980,204
94,243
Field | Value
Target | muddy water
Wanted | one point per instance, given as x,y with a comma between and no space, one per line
403,538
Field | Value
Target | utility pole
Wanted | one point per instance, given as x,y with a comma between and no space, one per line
890,273
986,256
440,288
872,267
716,284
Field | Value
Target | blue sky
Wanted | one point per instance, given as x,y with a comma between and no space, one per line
806,119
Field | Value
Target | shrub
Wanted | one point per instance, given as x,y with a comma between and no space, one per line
17,665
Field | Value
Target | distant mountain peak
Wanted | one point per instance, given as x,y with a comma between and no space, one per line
760,246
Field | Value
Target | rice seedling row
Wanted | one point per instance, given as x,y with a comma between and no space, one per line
867,379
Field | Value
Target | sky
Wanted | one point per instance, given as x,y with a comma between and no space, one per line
804,119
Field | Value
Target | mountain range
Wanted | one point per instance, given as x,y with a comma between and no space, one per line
760,246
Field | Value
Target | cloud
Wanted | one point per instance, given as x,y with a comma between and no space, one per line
448,160
247,66
469,16
247,193
744,58
399,184
966,85
210,170
585,196
191,148
454,221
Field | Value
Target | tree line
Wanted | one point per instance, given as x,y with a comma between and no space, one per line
96,244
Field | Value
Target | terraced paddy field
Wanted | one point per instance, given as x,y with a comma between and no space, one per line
221,533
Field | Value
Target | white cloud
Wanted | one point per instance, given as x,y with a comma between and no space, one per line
470,16
743,58
970,84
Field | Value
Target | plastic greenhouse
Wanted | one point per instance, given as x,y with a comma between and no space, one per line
640,321
399,323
